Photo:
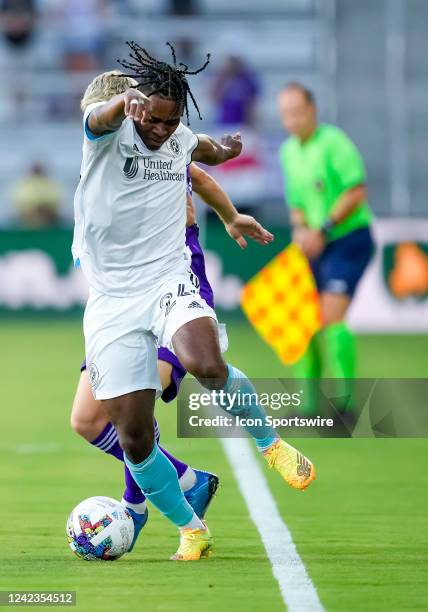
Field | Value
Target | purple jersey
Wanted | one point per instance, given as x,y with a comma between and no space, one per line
189,184
198,264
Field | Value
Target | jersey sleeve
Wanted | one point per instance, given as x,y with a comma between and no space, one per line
89,136
346,162
291,192
193,144
189,141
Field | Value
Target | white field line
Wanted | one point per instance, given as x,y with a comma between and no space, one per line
297,589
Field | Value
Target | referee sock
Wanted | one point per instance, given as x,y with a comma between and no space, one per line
340,350
308,368
341,361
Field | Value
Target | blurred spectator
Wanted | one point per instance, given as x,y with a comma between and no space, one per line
85,23
183,7
37,199
185,50
17,20
235,93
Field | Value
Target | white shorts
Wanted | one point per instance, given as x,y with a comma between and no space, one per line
122,334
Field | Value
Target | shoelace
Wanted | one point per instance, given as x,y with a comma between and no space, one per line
189,534
273,456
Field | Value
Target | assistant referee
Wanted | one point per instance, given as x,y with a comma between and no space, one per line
325,190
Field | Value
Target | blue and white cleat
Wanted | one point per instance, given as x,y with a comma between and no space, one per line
139,521
201,494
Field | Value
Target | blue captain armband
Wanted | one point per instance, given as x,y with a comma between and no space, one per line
90,135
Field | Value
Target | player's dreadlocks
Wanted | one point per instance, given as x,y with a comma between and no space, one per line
157,77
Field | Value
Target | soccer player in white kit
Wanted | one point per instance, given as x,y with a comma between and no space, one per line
130,219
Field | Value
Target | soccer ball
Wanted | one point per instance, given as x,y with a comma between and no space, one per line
99,528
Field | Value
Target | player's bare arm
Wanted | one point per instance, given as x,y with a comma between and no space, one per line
109,117
212,153
236,224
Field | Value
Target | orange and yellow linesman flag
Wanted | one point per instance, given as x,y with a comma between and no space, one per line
281,302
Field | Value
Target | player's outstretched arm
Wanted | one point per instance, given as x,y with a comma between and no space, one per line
212,153
237,225
109,117
212,193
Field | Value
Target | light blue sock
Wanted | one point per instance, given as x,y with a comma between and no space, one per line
157,478
264,435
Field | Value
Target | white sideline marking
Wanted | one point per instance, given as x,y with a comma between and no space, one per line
297,589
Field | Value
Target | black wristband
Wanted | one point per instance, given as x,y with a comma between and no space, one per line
327,226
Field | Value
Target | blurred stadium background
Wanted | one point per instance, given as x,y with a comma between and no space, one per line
366,62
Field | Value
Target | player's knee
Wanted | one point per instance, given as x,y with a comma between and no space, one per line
87,426
137,445
212,373
81,426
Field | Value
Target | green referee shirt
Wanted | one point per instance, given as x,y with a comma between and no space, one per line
318,171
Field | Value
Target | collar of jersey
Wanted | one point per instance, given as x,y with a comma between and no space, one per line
141,142
312,137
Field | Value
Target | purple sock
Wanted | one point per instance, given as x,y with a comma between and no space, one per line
133,494
108,442
179,465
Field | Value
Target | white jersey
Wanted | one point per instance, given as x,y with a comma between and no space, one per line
130,209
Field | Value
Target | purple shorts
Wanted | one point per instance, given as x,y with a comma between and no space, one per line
206,292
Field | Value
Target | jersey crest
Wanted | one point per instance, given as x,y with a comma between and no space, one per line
174,146
130,167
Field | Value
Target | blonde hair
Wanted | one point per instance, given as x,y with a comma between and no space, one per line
105,86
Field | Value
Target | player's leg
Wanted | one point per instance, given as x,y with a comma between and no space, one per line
122,369
199,486
197,345
90,420
132,415
87,418
207,483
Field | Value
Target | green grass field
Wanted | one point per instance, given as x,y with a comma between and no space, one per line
361,529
